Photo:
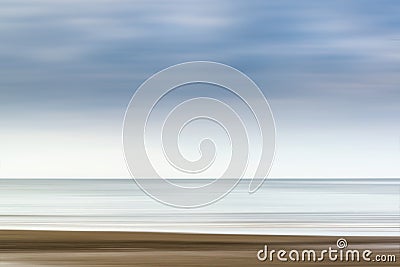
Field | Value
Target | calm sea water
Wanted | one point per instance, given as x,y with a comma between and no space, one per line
289,206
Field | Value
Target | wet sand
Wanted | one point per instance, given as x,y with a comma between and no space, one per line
75,248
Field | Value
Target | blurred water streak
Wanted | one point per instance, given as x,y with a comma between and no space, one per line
281,206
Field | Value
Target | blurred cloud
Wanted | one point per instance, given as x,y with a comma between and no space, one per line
320,63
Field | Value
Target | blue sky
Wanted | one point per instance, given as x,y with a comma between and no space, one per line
330,71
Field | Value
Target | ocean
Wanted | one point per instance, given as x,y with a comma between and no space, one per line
345,207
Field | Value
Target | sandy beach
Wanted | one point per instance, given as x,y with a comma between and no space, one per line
75,248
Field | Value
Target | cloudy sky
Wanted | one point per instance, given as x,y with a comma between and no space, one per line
330,70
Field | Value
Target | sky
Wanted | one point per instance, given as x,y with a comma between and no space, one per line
329,69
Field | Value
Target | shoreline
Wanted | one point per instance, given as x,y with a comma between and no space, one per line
94,248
